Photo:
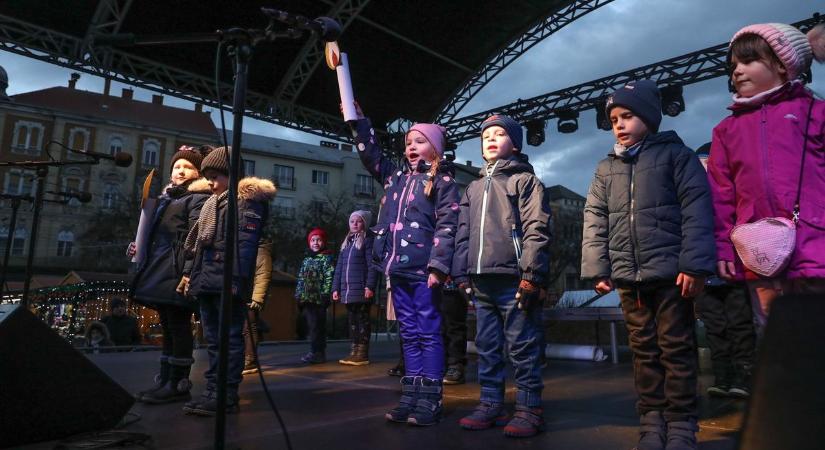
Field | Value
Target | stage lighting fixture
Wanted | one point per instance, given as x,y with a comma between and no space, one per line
568,121
672,101
535,132
602,120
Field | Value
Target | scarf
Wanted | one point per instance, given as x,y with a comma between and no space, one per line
203,232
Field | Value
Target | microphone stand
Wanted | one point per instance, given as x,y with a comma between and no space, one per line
15,205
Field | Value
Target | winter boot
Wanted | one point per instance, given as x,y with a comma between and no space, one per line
428,406
740,385
209,406
486,415
454,374
681,435
526,422
360,357
177,387
250,366
160,378
397,370
652,431
721,382
347,361
409,396
205,396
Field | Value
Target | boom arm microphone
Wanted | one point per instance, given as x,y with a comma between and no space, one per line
83,197
326,28
121,159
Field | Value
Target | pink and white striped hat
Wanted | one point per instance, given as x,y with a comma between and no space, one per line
792,47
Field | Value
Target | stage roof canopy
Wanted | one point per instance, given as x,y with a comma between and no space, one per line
408,58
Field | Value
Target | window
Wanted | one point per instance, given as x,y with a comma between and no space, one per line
74,185
320,177
284,176
18,242
65,241
20,182
283,207
364,186
4,237
151,150
115,145
248,167
111,195
28,137
318,207
78,140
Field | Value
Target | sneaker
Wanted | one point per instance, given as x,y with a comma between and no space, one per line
718,390
526,422
739,391
652,431
739,387
249,368
681,435
454,375
485,415
209,407
397,371
314,358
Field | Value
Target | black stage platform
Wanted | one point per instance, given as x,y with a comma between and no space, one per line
329,406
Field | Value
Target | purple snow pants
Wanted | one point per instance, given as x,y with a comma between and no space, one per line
419,321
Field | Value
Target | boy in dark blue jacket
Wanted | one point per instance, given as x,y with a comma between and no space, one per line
502,245
648,232
207,240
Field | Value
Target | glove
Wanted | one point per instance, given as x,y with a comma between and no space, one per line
527,294
255,305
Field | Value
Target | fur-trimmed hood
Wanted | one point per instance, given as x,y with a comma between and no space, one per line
256,189
200,186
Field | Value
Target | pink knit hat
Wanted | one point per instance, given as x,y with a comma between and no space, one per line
436,134
794,49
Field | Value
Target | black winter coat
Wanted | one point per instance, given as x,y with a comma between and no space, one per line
649,217
254,195
505,224
354,272
160,272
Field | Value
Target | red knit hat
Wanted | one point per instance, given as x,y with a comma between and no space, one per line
317,232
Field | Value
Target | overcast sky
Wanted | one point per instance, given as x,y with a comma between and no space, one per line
620,36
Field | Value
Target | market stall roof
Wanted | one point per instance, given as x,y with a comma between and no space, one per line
408,58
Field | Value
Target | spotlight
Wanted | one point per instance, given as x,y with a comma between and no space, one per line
602,121
568,121
535,132
672,101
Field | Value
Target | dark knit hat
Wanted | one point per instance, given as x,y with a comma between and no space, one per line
188,153
317,232
704,150
510,126
217,160
643,98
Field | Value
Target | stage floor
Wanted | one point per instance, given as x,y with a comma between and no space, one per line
329,406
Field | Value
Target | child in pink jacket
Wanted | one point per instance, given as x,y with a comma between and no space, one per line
756,155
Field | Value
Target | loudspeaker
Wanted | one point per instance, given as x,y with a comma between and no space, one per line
787,405
49,390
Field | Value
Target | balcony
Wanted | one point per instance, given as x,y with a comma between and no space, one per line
360,190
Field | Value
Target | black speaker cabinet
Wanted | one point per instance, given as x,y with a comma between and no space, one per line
48,390
787,406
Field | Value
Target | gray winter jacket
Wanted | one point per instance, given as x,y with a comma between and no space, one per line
649,217
504,224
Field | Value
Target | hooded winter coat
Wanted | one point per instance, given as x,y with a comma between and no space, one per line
753,168
505,224
648,217
354,273
414,233
315,278
254,195
157,277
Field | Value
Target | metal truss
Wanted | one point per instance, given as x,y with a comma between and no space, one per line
61,49
312,53
682,70
537,33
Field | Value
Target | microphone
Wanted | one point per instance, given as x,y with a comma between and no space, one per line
326,28
83,197
121,159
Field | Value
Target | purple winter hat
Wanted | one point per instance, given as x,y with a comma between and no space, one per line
435,133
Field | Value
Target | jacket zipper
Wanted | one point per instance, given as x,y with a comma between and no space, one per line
516,244
765,162
397,218
349,257
487,181
633,220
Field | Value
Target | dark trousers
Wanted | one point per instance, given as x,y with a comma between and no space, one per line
210,316
176,326
358,315
726,313
661,328
454,327
251,336
316,317
500,322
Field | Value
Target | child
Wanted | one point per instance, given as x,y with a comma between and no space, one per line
263,276
207,241
354,284
502,245
725,310
414,245
648,232
312,293
757,153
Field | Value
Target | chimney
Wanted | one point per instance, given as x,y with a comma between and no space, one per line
469,163
73,79
127,93
198,107
107,87
157,99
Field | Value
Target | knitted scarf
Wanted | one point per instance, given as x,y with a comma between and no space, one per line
203,232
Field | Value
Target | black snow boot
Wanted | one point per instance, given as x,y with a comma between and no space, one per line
177,387
161,378
409,396
652,431
428,406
